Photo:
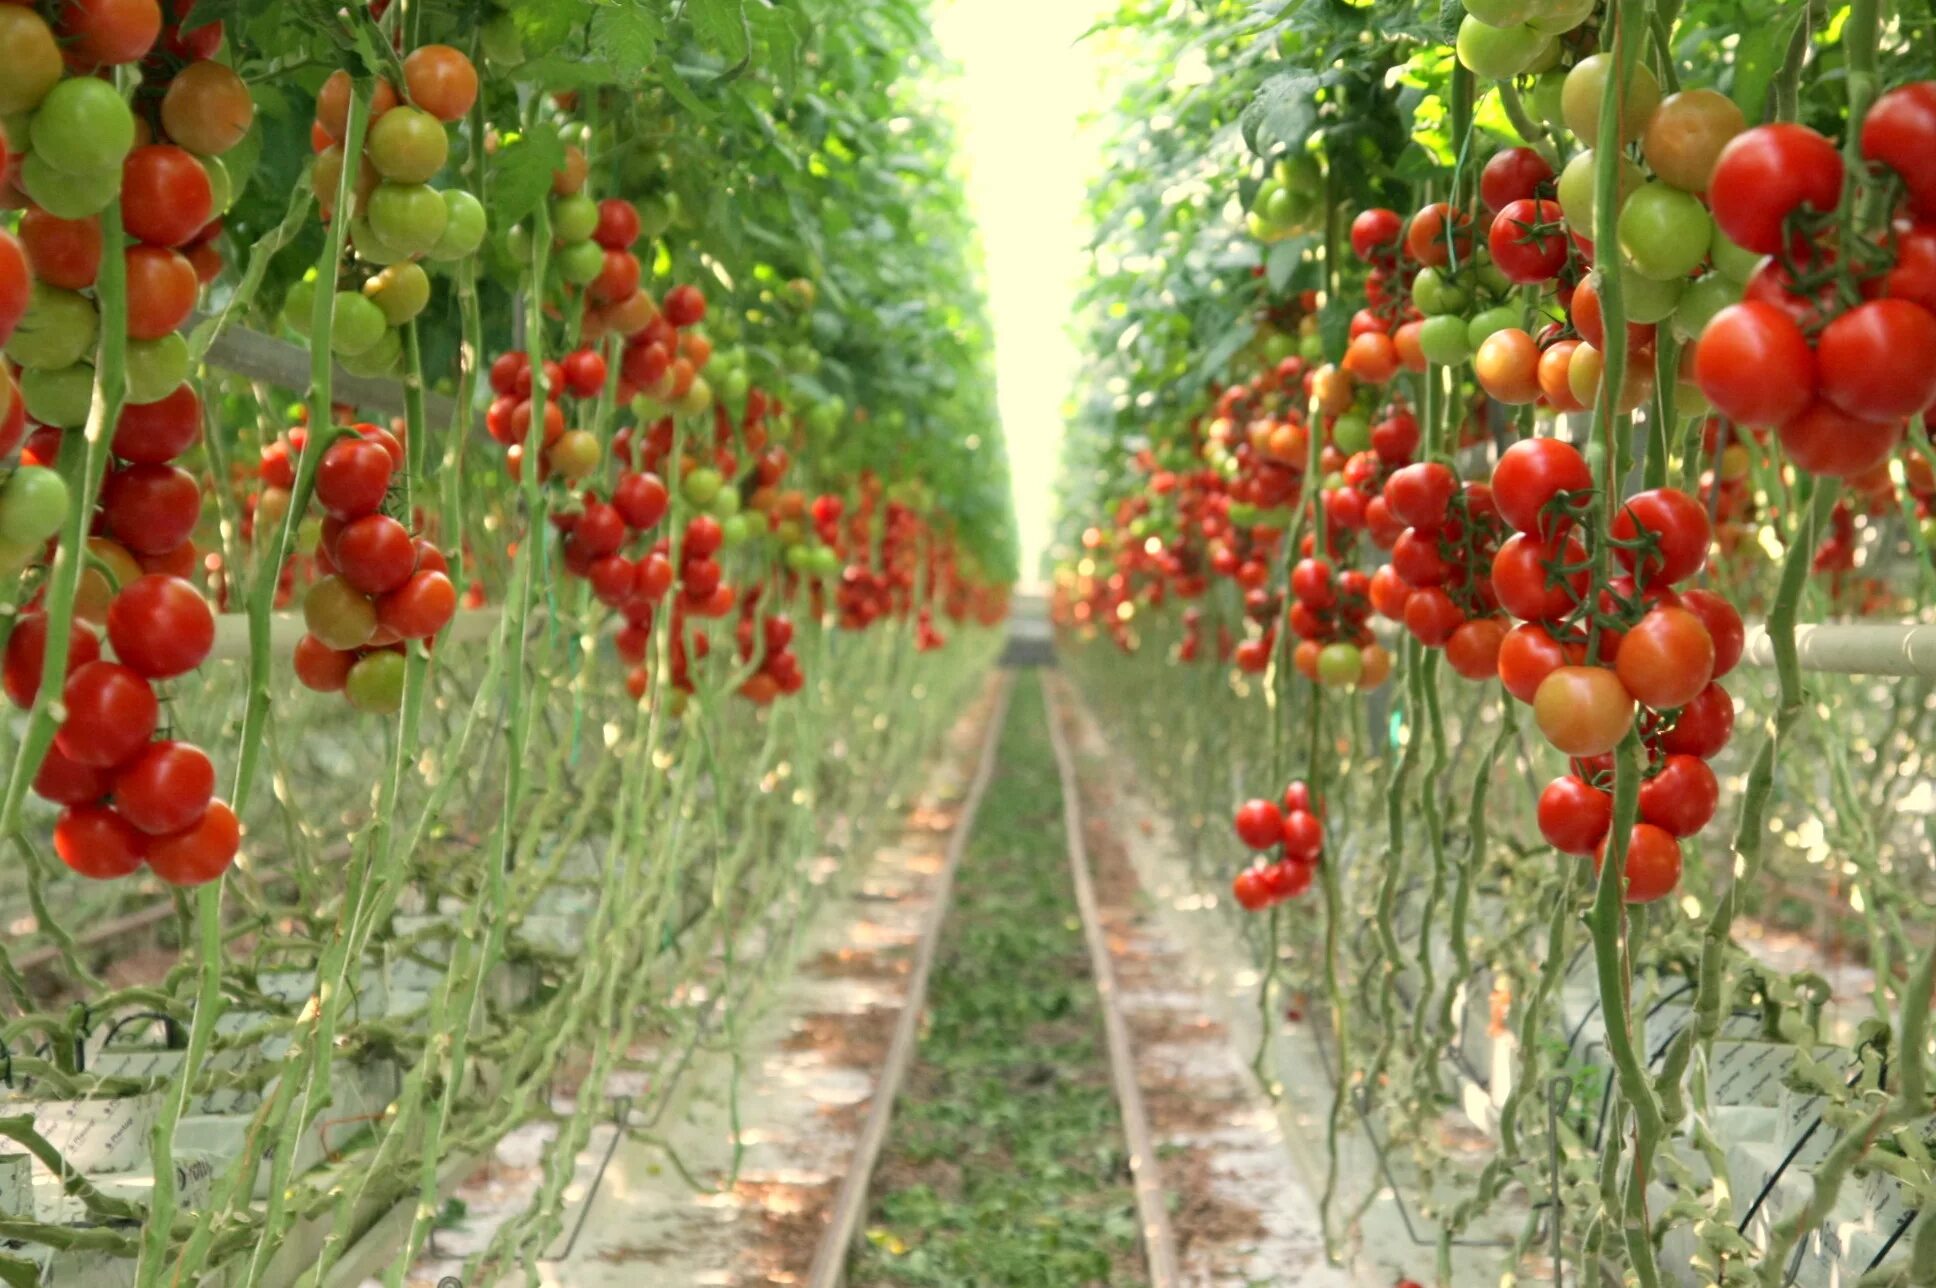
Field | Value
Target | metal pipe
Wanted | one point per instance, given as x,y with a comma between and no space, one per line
1853,648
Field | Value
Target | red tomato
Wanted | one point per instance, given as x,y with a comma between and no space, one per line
1416,558
1703,726
1435,232
420,607
68,782
684,306
1530,474
1723,627
1653,865
1375,234
1587,320
1311,582
1513,174
1878,360
1389,593
1826,440
157,432
27,646
1574,816
1682,797
1372,357
1520,250
151,509
160,626
1259,824
1248,889
1526,576
111,714
198,854
1288,879
1419,494
1913,276
1666,658
165,195
320,667
97,842
1432,617
64,252
107,33
1680,527
1583,710
1900,132
166,788
353,477
618,224
162,290
16,285
1473,650
1755,365
1303,836
1766,174
1528,654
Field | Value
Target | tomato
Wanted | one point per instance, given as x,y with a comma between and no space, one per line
374,554
1826,440
1375,234
162,290
1878,360
1372,357
1912,277
441,81
97,842
408,146
407,218
107,33
1555,376
1664,232
685,306
1473,650
353,477
1768,173
1247,887
33,61
1519,249
160,626
1311,582
1389,593
1585,313
1340,664
1259,824
1585,87
400,290
1900,132
640,500
33,505
1419,494
27,646
1303,836
1526,579
1435,232
1288,879
200,853
63,252
1574,816
1754,364
1531,476
321,667
1666,658
1507,365
585,373
1653,864
338,614
165,195
1513,175
618,224
1703,727
1499,52
1432,617
1528,654
111,713
68,782
1682,797
1723,625
1416,558
151,508
207,108
1680,525
1685,137
420,607
83,128
1583,710
16,277
166,788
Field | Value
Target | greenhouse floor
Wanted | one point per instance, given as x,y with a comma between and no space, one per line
1013,1161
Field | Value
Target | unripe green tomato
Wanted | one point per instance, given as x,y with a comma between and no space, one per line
1433,292
1557,17
359,325
1483,324
1498,53
407,145
1647,300
826,562
1665,232
1735,261
299,306
1311,348
734,530
1500,13
734,385
1443,340
697,399
803,359
725,505
59,396
1548,56
464,226
701,486
1706,296
799,560
1279,346
33,504
1576,190
409,218
656,214
1491,278
1243,513
13,558
502,43
370,246
309,534
1277,206
83,127
1340,664
1587,82
380,359
517,243
1929,531
401,291
1689,400
823,420
375,683
574,218
580,262
1351,432
156,368
1548,99
58,329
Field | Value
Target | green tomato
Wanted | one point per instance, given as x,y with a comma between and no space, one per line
1279,346
59,396
1557,17
1647,300
1929,531
299,306
826,562
1351,432
517,243
799,560
502,43
574,218
1665,232
1500,13
401,291
407,217
1735,261
1492,279
656,214
734,385
1443,340
359,324
1585,85
1548,98
580,262
1498,53
408,145
33,504
725,505
69,196
58,329
380,359
83,126
375,683
1576,189
309,535
1500,318
1340,664
701,486
1434,292
734,530
823,420
464,226
1311,348
1708,295
370,246
156,368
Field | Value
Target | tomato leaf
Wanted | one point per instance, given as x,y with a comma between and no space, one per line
722,26
1284,259
521,175
1758,59
626,35
1283,113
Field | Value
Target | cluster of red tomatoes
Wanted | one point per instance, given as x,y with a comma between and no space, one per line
397,219
1296,832
381,586
1835,345
1330,614
1441,579
571,454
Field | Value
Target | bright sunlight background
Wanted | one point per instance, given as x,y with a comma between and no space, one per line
1025,84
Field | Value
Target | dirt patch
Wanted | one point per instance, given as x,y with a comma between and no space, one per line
859,963
791,1220
1173,1028
851,1040
1202,1217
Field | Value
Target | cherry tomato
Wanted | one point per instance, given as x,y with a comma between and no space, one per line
1828,441
63,252
1528,654
68,782
1685,136
320,667
1583,710
162,289
441,81
166,788
1680,528
1574,816
207,108
1703,726
1666,658
1682,797
151,509
165,195
1526,579
1375,234
1247,887
27,647
1520,250
1259,824
98,843
1768,173
1754,364
1473,650
1900,132
1513,175
353,477
1723,627
420,607
374,554
1419,494
1878,360
160,626
200,853
1435,232
1653,864
1303,836
1431,616
107,33
111,714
